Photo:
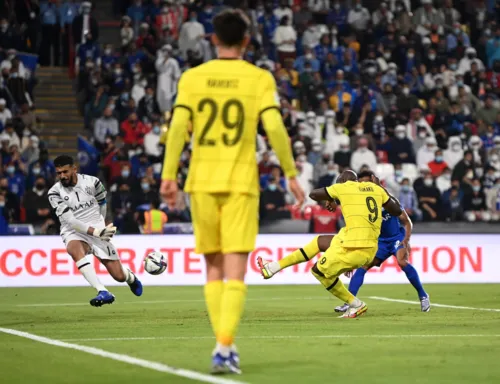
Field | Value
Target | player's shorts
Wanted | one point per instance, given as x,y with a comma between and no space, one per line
102,249
225,222
388,248
338,259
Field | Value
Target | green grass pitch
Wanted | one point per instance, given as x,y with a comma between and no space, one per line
289,334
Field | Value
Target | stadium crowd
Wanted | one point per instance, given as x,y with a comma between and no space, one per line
407,89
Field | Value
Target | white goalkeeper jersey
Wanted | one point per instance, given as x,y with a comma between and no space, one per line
83,200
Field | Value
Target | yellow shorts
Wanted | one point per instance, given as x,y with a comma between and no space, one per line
225,222
338,259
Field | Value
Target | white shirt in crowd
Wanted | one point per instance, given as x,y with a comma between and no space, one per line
168,77
362,156
5,114
284,38
152,144
189,37
105,126
280,12
319,5
358,19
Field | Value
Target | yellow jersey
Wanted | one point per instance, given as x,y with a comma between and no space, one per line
361,205
225,99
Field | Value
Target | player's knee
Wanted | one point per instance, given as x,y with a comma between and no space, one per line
118,274
324,242
402,262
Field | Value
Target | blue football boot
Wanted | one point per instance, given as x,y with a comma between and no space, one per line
136,286
103,297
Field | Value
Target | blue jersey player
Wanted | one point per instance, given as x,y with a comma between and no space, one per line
394,240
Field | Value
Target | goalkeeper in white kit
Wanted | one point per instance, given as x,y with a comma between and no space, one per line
79,202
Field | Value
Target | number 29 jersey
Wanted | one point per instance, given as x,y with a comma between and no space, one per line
225,98
361,205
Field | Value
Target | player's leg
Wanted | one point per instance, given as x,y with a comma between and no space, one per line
107,254
238,231
357,280
214,287
78,249
336,261
307,252
413,277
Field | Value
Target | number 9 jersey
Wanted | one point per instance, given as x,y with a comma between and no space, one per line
225,98
361,205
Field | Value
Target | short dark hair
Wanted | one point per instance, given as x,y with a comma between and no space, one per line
364,174
61,161
231,26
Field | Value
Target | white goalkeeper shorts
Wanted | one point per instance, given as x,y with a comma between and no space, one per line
104,250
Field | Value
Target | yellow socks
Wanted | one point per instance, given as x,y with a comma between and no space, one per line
300,255
231,310
213,296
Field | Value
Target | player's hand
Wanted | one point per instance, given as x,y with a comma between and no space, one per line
330,206
406,244
105,233
348,274
375,180
168,191
297,191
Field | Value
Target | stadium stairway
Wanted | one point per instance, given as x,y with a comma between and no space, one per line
56,106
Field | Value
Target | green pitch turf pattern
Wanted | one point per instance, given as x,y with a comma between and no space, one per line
289,334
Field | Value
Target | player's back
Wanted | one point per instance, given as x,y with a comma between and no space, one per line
225,98
362,210
391,228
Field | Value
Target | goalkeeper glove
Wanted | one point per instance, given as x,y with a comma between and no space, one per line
105,233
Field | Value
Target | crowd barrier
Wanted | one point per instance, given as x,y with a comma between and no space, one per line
41,261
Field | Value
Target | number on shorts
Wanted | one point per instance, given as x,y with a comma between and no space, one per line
371,204
237,123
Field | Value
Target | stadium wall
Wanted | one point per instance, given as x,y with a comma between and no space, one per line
41,261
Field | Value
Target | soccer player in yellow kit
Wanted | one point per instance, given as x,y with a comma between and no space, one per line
354,246
224,99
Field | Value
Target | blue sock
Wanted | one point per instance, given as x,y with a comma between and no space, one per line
357,281
412,275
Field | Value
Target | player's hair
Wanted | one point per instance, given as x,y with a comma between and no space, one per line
347,175
61,161
364,174
231,27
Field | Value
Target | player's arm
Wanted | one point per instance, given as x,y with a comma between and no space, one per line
176,138
100,195
408,226
65,215
326,194
277,134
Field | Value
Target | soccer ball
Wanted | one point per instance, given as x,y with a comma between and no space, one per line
155,263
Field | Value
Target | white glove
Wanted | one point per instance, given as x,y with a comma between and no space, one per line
105,233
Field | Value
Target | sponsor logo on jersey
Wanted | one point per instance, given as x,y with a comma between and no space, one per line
88,190
87,204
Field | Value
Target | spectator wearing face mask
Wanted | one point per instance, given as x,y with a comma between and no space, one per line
31,153
429,199
438,165
496,147
362,156
5,114
36,203
105,126
272,202
426,154
401,148
9,202
416,124
478,152
475,203
148,106
454,153
453,205
409,201
284,39
152,146
307,58
16,179
358,17
443,182
133,130
488,113
329,177
147,193
343,156
406,101
168,76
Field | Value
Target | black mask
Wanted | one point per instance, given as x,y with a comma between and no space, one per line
40,186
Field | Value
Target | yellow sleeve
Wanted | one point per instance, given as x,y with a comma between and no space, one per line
275,129
332,192
270,98
385,196
176,138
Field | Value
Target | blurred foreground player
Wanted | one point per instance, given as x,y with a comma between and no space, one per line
80,203
224,99
394,240
354,246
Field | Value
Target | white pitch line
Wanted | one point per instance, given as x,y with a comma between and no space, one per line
124,358
282,337
171,301
432,304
